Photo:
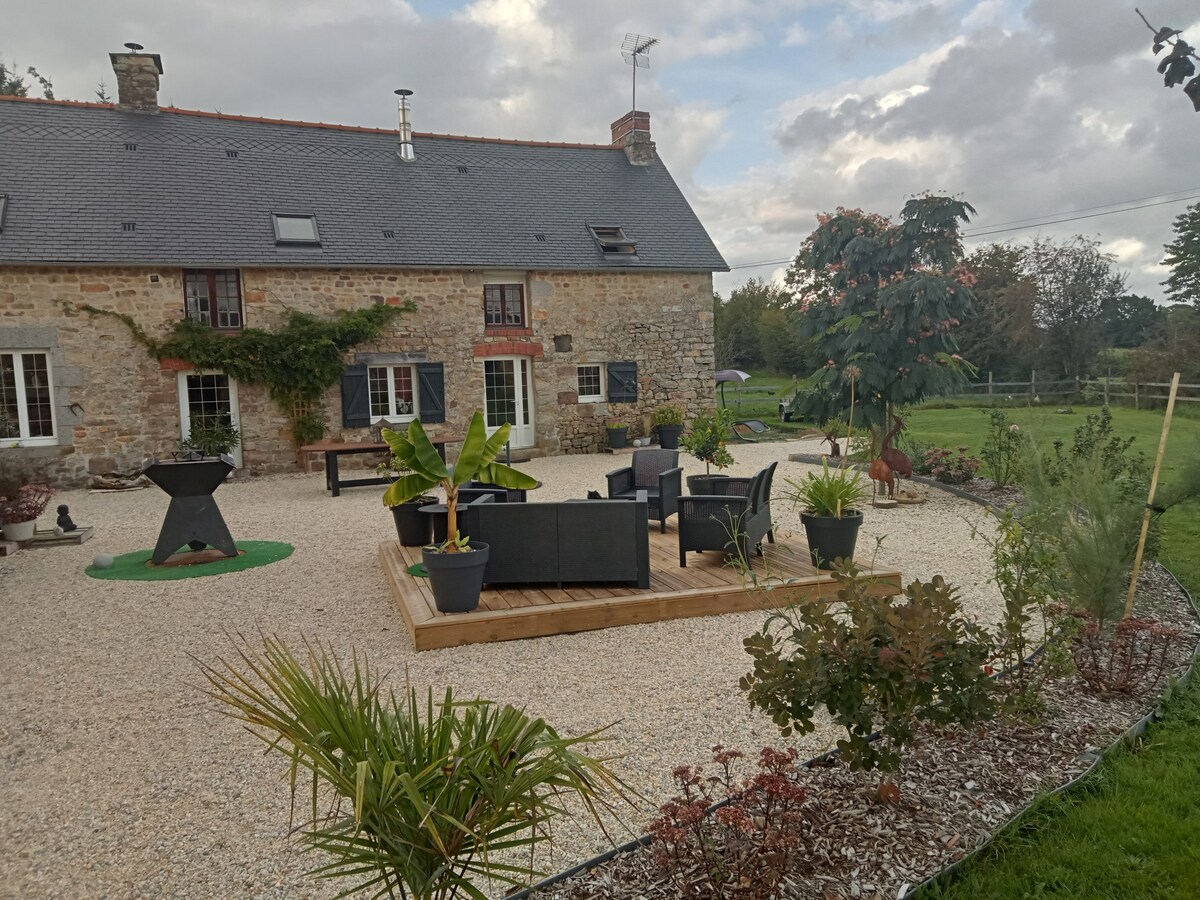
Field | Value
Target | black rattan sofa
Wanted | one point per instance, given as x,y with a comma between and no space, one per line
591,541
735,519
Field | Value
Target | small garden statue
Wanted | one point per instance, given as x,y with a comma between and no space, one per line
64,519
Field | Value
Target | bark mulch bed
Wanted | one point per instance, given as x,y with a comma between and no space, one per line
958,788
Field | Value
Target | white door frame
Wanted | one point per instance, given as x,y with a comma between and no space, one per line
185,418
522,434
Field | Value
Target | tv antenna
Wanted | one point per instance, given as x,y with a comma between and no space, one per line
634,48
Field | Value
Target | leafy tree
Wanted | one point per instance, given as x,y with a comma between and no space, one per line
1183,256
784,349
1001,336
1073,280
882,301
1176,66
12,82
737,323
1126,321
1172,346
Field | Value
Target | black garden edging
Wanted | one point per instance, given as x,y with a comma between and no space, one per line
1132,733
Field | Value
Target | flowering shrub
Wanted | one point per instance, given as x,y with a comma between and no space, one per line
24,503
873,662
1002,448
744,848
950,467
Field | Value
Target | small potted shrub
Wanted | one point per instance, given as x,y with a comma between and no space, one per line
22,501
618,435
211,436
669,422
412,526
827,510
706,442
456,566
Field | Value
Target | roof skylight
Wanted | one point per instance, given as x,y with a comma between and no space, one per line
613,240
295,228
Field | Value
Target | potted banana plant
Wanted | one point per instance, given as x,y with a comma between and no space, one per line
456,566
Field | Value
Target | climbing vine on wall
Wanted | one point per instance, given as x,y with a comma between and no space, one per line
297,362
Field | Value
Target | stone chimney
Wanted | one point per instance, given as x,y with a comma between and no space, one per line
137,79
632,131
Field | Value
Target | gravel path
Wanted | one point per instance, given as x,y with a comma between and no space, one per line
118,779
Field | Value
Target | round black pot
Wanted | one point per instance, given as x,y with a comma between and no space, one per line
618,438
412,526
668,436
456,578
831,538
702,485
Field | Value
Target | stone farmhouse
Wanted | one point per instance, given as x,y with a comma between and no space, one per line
557,286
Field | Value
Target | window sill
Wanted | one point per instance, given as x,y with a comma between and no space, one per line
509,331
591,400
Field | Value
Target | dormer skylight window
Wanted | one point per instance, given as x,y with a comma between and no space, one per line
296,228
3,207
612,240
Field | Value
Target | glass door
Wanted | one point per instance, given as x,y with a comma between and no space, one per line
506,398
208,395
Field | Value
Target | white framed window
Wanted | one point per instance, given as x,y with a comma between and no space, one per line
26,399
393,393
590,384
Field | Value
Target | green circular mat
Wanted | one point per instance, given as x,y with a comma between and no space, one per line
134,566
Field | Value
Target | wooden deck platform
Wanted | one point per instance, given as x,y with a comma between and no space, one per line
705,587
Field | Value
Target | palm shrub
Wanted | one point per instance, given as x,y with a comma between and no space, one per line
830,493
425,793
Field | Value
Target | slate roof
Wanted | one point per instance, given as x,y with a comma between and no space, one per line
199,190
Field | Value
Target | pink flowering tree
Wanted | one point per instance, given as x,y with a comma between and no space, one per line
882,301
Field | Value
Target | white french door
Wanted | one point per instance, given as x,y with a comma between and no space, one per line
204,394
507,397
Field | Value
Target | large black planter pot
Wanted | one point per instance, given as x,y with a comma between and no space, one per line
618,438
702,485
831,538
668,436
412,526
456,578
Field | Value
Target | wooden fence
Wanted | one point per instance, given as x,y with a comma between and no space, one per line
1107,390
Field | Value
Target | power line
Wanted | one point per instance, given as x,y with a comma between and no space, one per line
1090,208
1033,224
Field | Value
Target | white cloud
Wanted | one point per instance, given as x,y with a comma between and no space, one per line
795,36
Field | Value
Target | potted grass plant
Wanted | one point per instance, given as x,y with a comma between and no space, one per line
668,420
706,441
455,566
828,512
618,435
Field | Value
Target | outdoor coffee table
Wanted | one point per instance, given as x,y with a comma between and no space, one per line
333,449
193,517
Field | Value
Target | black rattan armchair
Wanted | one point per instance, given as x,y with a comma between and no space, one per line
733,520
656,472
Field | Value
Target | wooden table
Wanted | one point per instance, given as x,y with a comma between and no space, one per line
333,449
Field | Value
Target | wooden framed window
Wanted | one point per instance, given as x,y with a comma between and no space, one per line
590,384
393,393
214,297
504,305
26,399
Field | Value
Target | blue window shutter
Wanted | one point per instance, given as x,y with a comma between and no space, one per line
622,382
356,403
431,396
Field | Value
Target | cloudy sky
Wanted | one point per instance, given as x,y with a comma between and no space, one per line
766,111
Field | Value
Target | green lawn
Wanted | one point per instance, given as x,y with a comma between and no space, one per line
1134,831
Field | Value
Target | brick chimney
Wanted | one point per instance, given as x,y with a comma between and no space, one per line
632,131
137,79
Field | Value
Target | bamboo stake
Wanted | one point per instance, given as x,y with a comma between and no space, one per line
1162,447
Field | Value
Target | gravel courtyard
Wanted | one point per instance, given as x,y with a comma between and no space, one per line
118,778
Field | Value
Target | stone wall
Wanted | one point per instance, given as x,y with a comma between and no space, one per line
115,406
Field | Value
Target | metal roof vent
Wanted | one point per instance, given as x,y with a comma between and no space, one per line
405,149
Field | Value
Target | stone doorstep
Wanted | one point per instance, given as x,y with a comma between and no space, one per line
8,548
